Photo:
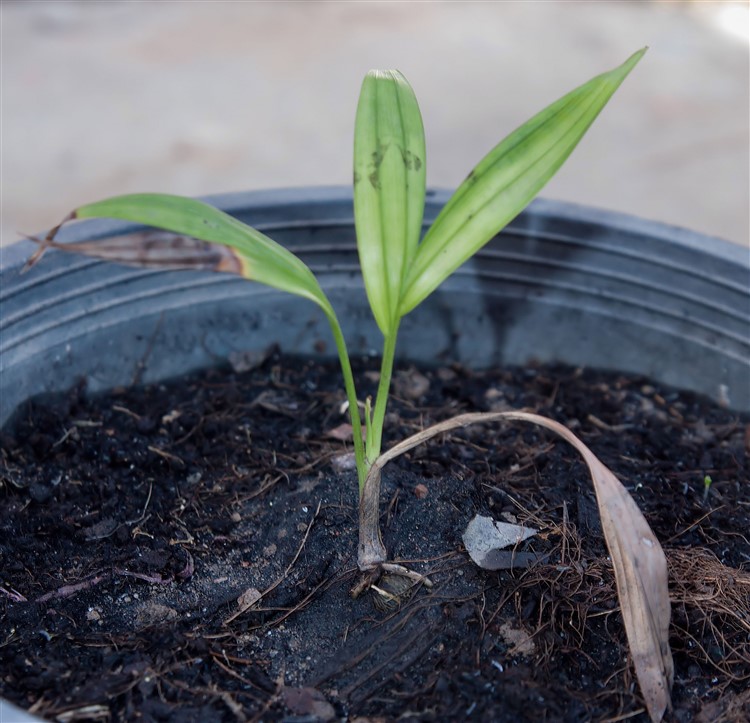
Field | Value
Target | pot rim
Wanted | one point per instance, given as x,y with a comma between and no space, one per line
17,253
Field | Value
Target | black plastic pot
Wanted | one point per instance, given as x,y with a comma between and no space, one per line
562,282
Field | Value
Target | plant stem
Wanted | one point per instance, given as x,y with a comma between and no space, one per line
371,552
351,395
375,437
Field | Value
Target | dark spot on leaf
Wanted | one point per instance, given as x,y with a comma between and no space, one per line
357,178
378,155
412,162
375,179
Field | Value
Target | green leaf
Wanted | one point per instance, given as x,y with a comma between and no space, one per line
389,188
505,181
257,257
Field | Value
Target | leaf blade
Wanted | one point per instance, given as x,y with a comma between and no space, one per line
257,257
389,188
506,180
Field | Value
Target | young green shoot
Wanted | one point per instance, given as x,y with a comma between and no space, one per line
399,270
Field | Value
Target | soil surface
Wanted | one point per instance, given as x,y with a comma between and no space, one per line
185,552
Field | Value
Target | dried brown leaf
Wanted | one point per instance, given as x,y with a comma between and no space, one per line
517,639
153,249
639,562
343,432
248,598
411,384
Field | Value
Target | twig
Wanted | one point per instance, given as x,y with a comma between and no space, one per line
224,695
694,524
301,604
67,434
234,616
166,455
154,579
279,682
415,577
68,590
14,595
125,410
607,427
245,681
145,507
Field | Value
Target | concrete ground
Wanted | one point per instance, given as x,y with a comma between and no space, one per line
102,98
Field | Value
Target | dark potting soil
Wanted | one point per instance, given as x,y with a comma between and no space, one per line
132,524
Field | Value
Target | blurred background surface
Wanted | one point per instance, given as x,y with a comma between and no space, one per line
102,98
